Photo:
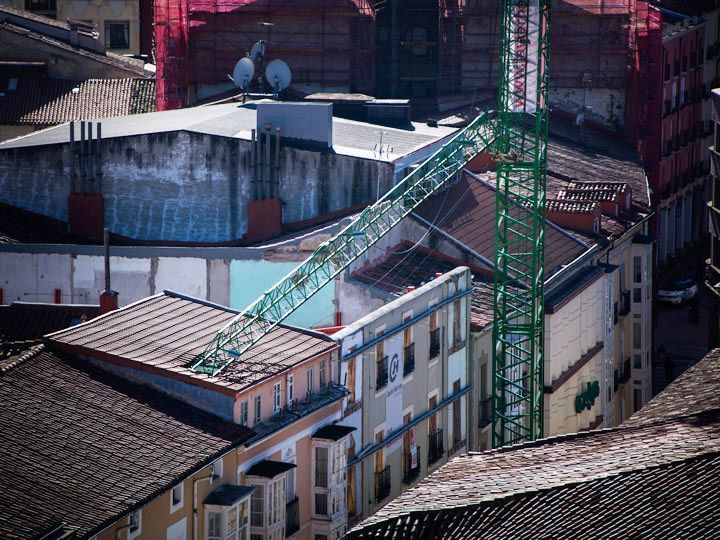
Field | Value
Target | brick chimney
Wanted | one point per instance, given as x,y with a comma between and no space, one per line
108,298
578,215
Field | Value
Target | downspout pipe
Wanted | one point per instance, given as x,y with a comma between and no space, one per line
210,477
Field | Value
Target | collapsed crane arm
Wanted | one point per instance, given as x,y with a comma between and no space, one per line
333,256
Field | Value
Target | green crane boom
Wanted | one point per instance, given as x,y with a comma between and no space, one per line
333,256
519,231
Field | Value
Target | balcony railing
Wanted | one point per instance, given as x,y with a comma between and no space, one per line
434,343
436,448
485,412
292,517
381,379
409,359
410,473
382,484
625,374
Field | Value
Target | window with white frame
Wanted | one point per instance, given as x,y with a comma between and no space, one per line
330,464
290,388
267,507
176,497
244,413
257,415
227,522
309,382
135,524
276,397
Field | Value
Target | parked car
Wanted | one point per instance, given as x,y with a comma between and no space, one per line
678,292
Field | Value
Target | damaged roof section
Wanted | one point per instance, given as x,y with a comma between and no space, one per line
165,333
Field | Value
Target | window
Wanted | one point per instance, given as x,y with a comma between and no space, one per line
257,516
637,399
323,380
176,498
321,466
637,336
637,361
290,388
276,397
381,371
258,403
637,269
310,376
351,380
637,295
117,35
321,508
135,522
244,413
456,321
457,429
214,526
40,5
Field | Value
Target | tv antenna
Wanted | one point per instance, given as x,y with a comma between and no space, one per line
278,76
242,74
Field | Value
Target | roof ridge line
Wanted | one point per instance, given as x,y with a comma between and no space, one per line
543,489
23,357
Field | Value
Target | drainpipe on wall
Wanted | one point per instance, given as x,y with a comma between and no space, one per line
108,298
195,502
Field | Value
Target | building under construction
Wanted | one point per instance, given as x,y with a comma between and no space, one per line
436,52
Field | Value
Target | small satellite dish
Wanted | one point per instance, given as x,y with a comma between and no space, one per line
257,51
243,73
278,75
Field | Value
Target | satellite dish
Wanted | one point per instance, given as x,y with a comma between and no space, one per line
278,75
257,51
243,73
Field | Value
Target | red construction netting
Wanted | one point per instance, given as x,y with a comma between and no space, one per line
171,49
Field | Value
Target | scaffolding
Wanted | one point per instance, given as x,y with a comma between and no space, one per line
171,38
328,44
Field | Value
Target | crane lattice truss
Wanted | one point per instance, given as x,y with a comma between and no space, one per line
519,234
333,256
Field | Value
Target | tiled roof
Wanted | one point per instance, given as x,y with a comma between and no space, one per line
18,226
695,391
42,101
401,268
81,446
22,325
466,212
570,207
655,478
608,160
164,333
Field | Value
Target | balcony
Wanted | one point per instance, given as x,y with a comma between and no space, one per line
381,378
436,449
410,473
434,343
409,359
382,484
485,412
624,303
292,517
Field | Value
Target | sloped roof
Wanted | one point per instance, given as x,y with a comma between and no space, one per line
654,477
405,266
42,101
84,447
164,333
467,213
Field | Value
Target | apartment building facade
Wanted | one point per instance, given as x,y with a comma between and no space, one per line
287,478
124,27
712,271
405,367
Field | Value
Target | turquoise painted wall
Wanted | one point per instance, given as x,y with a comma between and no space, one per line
249,279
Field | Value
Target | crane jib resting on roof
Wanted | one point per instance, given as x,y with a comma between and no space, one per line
333,256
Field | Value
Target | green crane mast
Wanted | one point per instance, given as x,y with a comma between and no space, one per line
518,136
520,222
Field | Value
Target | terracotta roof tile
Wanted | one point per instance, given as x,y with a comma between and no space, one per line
570,206
97,446
167,331
654,477
43,101
466,212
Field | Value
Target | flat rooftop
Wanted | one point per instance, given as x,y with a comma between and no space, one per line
233,120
